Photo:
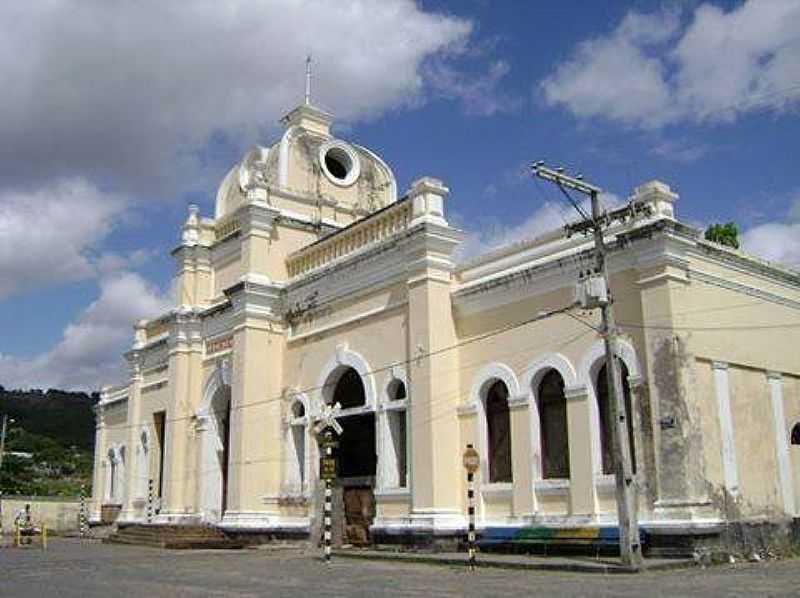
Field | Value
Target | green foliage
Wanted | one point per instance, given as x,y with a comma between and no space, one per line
725,234
57,429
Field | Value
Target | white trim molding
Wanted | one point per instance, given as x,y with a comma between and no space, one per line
727,438
775,382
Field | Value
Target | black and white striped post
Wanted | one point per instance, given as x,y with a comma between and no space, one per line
471,464
83,521
150,500
328,496
325,429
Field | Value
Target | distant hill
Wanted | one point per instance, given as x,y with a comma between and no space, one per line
57,429
65,417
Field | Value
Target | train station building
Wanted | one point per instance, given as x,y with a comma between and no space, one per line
316,281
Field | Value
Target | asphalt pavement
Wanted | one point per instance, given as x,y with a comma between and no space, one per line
71,567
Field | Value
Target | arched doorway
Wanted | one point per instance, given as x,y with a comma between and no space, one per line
214,425
356,453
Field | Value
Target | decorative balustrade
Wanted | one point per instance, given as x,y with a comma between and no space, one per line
155,329
363,233
226,227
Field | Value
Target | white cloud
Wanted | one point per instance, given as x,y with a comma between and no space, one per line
652,71
129,92
776,241
49,235
548,217
678,150
479,94
89,352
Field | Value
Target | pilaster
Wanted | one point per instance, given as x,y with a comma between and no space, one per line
254,482
582,498
257,222
98,478
185,353
434,426
522,499
679,486
128,512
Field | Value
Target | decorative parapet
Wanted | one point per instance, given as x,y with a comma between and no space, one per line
226,227
112,394
361,234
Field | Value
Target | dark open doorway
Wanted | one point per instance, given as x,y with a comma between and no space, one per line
225,425
357,456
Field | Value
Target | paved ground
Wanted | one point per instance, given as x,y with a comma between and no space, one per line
70,568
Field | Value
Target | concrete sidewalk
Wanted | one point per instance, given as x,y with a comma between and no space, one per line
579,564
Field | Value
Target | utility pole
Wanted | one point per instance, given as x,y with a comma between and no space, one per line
630,546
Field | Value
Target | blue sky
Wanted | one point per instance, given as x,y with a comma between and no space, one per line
115,118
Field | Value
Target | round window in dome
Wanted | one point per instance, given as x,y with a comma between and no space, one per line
339,163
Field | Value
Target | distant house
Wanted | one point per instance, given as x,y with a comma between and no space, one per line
315,283
20,455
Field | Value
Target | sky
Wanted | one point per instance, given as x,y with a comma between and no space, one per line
115,116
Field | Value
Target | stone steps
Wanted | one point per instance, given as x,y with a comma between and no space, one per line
174,537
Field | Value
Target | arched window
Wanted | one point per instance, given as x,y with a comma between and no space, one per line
397,472
498,428
607,420
553,426
349,391
796,434
296,466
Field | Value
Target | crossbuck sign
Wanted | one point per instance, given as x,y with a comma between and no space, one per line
327,419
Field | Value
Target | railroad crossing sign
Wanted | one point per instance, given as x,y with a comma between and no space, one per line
327,419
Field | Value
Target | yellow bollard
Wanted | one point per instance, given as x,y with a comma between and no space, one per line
44,538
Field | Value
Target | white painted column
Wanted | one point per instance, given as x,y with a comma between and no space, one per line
781,441
727,439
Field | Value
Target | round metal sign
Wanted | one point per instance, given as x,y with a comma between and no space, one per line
471,459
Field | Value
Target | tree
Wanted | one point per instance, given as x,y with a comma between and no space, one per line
725,234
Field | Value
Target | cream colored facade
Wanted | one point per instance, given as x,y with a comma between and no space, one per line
313,267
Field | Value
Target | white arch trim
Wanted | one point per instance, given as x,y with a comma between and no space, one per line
481,383
219,379
531,378
211,444
552,361
592,361
595,357
344,358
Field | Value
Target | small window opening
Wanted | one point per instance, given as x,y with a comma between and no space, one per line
298,410
796,434
397,391
349,390
338,163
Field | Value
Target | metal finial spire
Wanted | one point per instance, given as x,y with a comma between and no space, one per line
308,80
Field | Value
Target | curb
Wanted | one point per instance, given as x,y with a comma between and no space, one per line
497,564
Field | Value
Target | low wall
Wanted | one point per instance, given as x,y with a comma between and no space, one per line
58,513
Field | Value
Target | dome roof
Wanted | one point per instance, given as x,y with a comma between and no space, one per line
309,162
